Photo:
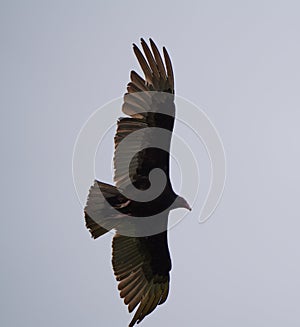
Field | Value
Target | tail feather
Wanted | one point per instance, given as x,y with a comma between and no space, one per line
95,229
101,214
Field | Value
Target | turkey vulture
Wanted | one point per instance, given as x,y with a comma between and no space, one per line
140,255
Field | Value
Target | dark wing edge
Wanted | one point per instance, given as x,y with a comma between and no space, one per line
138,283
159,77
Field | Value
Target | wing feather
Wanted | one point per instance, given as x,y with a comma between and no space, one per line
158,59
135,301
150,59
144,65
138,81
147,281
145,108
169,68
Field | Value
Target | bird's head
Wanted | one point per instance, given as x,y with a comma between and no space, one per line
180,202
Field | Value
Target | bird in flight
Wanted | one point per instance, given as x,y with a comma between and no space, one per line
138,205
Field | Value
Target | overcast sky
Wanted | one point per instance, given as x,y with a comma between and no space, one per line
239,61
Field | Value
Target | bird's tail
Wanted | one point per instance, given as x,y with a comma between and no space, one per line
101,211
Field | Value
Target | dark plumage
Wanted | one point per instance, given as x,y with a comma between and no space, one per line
140,258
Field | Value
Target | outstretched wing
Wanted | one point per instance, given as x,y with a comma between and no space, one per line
150,103
141,266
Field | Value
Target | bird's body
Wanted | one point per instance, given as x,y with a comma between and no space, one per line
141,258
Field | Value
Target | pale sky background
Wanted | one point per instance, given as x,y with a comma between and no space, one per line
60,61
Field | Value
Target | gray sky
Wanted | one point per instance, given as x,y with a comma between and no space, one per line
239,60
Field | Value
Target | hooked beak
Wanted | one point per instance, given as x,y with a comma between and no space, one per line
188,207
182,203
